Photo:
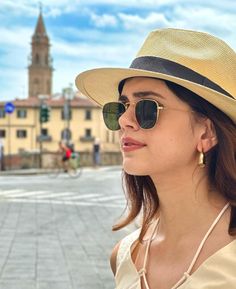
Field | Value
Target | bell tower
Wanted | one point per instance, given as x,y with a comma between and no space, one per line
40,62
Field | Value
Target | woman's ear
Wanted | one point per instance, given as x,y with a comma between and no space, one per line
208,138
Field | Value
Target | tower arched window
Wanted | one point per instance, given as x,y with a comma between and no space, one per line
48,87
36,87
37,60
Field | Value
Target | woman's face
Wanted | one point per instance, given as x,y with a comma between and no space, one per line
170,146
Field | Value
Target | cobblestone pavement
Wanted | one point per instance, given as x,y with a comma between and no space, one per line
56,233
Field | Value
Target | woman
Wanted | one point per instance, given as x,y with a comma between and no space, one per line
175,109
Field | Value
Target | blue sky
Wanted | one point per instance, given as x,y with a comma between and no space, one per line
86,34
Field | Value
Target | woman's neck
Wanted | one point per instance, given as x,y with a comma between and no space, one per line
186,207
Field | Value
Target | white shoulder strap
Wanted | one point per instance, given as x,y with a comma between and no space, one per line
124,247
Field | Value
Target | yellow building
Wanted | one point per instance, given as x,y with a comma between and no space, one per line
21,130
77,120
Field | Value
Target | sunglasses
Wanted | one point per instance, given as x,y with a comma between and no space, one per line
146,113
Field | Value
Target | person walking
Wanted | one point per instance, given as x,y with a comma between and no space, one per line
175,110
96,152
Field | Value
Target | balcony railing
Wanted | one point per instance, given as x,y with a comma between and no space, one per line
87,138
44,138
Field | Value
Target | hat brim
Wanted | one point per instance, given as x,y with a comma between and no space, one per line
101,85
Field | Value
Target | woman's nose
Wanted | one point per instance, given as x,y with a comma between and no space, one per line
128,118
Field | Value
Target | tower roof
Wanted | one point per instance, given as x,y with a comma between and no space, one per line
40,29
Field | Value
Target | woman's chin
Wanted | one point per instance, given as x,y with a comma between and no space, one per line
134,169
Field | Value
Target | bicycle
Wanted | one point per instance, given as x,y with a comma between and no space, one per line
73,167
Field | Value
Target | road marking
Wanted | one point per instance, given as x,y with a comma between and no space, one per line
85,196
108,198
24,194
54,195
63,198
58,202
9,192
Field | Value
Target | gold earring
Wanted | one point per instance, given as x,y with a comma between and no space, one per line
201,160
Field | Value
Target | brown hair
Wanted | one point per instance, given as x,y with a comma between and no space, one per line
140,191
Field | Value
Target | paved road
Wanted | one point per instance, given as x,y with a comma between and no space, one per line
56,233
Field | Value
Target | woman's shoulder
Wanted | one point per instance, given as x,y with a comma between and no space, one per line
224,256
218,270
114,257
121,249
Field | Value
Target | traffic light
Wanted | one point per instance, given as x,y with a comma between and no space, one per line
44,114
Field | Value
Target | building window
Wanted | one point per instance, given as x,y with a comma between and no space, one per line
88,133
21,113
2,133
21,133
44,132
2,113
87,137
66,134
44,136
88,114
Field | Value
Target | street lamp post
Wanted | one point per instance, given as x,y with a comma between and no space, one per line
9,109
68,94
43,117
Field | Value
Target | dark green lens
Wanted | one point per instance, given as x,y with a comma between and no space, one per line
146,113
111,114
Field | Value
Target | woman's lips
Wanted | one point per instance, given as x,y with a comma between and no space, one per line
129,144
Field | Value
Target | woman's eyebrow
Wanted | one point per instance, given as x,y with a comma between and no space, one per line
141,94
123,98
147,93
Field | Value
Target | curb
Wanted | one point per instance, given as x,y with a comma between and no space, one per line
28,172
22,172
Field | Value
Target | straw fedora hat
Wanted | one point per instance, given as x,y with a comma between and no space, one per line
198,61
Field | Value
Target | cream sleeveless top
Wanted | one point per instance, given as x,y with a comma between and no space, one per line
217,272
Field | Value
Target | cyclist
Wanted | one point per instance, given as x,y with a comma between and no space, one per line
66,154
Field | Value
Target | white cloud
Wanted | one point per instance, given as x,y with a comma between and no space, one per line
228,5
51,8
15,36
67,5
76,47
15,83
207,19
18,8
103,20
93,53
137,22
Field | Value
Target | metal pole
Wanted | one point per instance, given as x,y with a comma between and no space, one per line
40,137
9,141
68,121
40,146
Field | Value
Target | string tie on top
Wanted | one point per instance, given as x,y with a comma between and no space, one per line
142,272
186,275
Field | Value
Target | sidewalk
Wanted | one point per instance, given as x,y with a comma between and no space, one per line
57,234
